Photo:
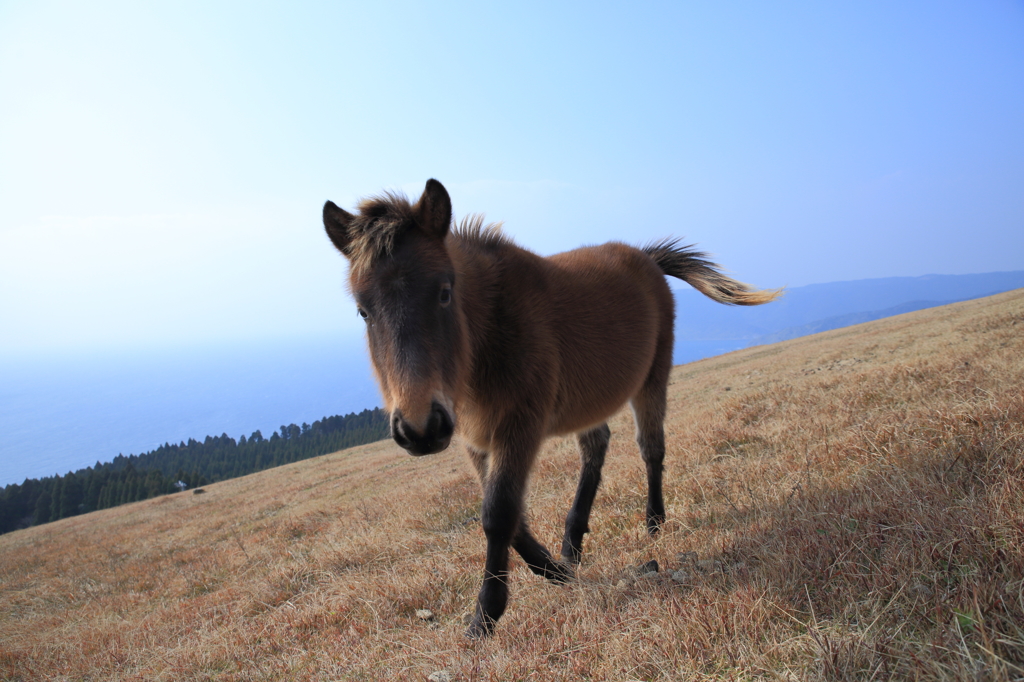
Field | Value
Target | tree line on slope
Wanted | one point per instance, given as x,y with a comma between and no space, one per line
171,468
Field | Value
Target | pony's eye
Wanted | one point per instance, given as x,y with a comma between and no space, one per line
362,313
446,295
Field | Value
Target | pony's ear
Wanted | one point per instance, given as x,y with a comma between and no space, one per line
434,209
336,221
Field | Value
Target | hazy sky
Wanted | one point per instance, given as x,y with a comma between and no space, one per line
163,165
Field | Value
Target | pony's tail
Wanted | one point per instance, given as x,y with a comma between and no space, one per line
694,268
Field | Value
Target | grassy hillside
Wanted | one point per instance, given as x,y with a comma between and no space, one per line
843,506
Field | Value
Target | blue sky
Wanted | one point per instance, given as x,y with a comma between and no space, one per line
163,165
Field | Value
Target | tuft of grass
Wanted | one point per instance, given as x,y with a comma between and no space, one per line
852,508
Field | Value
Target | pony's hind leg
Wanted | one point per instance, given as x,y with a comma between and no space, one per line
649,413
593,445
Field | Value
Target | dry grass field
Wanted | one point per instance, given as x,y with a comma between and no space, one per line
843,506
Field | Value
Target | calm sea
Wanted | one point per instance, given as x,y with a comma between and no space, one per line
62,415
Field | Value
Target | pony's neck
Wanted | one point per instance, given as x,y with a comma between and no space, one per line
477,278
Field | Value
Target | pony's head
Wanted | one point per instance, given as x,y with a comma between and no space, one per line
403,281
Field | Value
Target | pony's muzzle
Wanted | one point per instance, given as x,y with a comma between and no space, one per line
435,437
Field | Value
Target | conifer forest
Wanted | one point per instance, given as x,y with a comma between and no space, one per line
171,468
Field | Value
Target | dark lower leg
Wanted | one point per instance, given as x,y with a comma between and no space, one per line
538,558
593,445
493,596
652,447
501,514
649,413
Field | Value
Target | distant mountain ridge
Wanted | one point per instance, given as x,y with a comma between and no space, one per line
820,307
848,320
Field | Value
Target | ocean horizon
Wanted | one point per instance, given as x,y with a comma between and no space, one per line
68,413
63,414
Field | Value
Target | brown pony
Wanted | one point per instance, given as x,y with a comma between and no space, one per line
469,332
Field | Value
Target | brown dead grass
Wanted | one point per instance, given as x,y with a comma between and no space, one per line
846,506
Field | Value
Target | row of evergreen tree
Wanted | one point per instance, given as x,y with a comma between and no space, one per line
171,468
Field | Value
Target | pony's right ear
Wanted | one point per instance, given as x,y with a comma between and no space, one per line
336,222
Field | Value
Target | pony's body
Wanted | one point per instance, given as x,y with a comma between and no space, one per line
542,337
470,333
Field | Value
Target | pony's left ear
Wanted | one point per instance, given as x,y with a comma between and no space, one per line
434,209
336,221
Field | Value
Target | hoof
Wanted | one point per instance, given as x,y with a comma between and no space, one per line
572,557
560,573
480,628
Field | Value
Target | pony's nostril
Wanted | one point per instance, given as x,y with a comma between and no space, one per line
441,422
401,439
398,430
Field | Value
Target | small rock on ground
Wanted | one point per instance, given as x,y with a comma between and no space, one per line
440,676
424,614
643,571
650,567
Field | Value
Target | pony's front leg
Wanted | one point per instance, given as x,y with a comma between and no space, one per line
536,556
501,515
538,559
515,445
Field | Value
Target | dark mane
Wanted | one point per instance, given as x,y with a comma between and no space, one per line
473,230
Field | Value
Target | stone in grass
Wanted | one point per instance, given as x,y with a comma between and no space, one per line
681,576
642,569
440,676
650,567
424,614
633,573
